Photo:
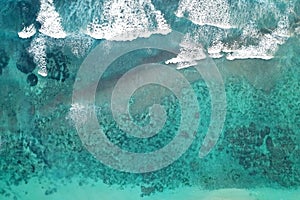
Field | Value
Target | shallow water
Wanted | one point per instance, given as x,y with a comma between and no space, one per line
225,74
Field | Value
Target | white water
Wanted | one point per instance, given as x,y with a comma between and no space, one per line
127,20
114,20
190,52
267,46
220,14
206,12
38,50
50,20
27,32
120,20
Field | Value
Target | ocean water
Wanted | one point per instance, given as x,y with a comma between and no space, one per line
150,99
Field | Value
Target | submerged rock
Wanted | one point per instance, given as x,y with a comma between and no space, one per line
32,79
25,63
4,59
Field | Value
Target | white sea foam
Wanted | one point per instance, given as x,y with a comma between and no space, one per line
190,53
50,20
252,43
27,32
267,46
127,20
78,114
38,50
79,44
206,12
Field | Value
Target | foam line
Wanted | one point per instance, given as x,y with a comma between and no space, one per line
38,50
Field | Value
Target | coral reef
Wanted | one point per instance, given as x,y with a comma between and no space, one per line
4,59
57,65
25,63
270,152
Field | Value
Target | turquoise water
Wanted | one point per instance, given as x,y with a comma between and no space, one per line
65,65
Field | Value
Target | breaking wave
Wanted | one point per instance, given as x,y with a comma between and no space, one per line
239,29
50,20
110,20
127,20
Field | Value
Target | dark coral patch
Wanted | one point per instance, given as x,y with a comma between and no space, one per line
4,59
25,63
32,79
57,65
